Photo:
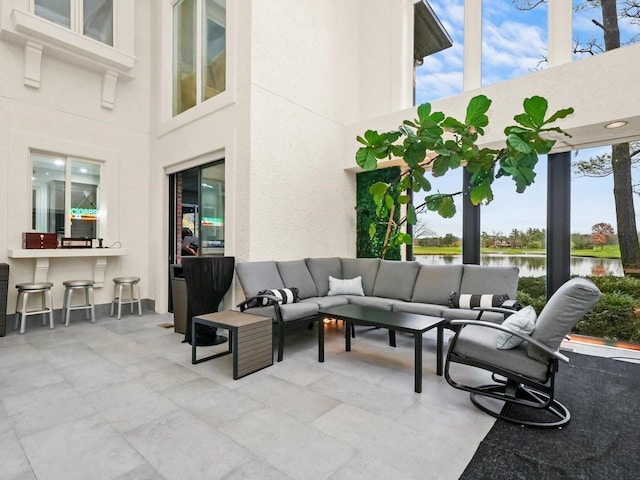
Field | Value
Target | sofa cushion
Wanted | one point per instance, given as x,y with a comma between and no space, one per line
321,269
256,276
494,280
367,268
290,312
326,302
435,282
345,286
377,302
396,279
296,274
419,308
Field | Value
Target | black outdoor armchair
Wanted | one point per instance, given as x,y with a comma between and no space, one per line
523,376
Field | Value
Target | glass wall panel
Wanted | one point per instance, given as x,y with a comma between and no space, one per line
214,53
184,55
514,39
84,199
98,20
58,11
590,20
212,207
439,74
47,183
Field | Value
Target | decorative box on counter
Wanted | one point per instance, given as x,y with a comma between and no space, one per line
78,242
39,240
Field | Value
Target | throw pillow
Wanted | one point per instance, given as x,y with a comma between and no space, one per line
523,321
284,295
469,300
347,286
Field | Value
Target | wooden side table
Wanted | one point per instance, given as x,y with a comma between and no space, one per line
250,340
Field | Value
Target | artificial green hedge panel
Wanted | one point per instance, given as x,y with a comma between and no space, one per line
366,214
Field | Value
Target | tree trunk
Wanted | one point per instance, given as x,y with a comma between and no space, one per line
625,212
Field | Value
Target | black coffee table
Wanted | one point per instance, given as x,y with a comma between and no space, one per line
394,322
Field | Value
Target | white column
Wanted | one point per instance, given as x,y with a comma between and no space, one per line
472,73
560,32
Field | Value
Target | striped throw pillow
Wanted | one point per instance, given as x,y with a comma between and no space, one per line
284,295
469,300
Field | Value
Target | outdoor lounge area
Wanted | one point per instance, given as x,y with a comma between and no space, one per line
120,399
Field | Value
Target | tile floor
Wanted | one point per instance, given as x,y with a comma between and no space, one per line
121,400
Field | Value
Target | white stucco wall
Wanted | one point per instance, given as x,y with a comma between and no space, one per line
64,115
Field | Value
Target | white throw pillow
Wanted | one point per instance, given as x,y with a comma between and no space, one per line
523,321
347,286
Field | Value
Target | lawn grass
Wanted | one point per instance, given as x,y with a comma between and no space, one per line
608,251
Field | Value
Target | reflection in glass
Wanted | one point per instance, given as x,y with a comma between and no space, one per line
214,53
98,20
184,56
58,11
212,207
84,201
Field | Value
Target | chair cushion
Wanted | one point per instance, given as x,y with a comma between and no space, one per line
347,286
563,310
494,280
296,274
470,300
367,268
256,276
420,308
435,282
523,321
465,314
396,279
284,295
377,302
320,270
326,302
290,312
480,343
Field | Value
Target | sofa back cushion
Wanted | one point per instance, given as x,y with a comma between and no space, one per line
367,268
321,269
295,274
396,279
478,279
257,276
435,282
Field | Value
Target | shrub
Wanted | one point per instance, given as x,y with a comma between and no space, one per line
533,286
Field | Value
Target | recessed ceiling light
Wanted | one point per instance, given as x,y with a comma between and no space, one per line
618,124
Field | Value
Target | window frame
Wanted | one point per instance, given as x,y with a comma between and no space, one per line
100,229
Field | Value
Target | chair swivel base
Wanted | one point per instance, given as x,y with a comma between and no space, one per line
523,406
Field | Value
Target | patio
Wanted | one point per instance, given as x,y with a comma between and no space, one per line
121,400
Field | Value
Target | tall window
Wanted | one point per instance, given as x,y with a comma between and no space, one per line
65,195
199,46
92,18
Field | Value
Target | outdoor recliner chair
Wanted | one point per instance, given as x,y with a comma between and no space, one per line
524,376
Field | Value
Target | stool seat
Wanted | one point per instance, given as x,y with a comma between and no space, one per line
88,305
22,302
34,286
120,283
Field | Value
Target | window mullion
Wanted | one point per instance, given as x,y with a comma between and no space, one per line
199,47
77,7
67,197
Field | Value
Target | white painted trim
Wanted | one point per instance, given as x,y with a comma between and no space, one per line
472,46
32,63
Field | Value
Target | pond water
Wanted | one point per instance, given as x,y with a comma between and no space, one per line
534,265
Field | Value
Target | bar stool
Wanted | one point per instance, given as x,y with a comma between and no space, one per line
78,285
26,289
134,291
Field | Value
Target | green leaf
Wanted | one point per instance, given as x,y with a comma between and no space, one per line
388,201
403,199
517,142
372,230
452,124
536,108
412,218
415,153
447,209
366,158
361,140
524,120
424,111
476,111
481,193
559,114
405,238
379,188
372,136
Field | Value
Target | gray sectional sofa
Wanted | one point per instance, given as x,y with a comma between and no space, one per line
389,285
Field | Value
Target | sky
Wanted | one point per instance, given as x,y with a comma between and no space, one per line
514,44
